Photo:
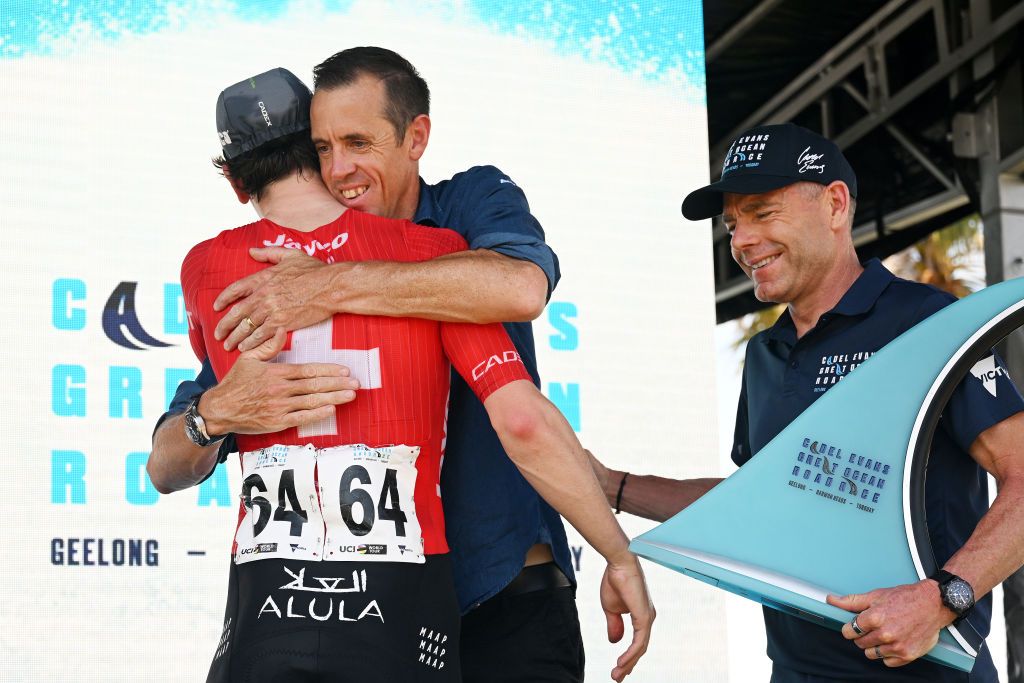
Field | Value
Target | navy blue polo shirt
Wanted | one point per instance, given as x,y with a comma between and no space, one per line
783,375
492,515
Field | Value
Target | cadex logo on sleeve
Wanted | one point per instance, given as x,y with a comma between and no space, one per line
484,366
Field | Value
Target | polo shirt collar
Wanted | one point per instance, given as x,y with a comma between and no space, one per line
427,210
859,299
862,295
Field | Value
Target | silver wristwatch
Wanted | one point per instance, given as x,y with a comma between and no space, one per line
195,426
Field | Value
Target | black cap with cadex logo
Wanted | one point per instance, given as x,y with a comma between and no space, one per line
766,158
261,109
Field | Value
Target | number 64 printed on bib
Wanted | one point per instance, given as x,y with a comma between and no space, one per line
346,503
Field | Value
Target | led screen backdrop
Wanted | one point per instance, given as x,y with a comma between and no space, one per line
595,109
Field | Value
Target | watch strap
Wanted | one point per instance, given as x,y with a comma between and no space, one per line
943,578
195,426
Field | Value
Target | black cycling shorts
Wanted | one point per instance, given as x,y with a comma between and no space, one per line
342,622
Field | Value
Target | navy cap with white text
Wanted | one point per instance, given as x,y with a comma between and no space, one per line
260,109
766,158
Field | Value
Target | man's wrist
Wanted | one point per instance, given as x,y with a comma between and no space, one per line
216,426
611,484
955,594
341,279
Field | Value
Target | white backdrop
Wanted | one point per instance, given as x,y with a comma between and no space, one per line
105,179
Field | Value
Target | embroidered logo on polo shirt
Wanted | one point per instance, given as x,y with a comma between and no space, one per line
835,366
986,371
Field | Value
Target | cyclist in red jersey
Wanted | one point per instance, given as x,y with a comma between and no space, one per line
339,568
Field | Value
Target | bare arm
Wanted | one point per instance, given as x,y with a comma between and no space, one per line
176,463
479,286
545,449
996,548
904,621
648,496
255,397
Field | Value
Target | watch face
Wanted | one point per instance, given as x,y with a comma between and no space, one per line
959,594
192,429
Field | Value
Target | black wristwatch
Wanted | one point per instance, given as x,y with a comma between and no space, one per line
957,594
195,427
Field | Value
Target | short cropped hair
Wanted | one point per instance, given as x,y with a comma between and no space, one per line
407,93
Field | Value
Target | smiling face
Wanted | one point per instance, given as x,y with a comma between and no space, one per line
362,160
783,240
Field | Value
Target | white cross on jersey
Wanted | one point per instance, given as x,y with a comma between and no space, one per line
313,345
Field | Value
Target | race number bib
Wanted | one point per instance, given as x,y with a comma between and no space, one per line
366,496
282,512
335,504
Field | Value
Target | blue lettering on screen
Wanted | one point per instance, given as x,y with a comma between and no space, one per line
216,490
125,391
138,489
66,316
567,398
559,313
67,477
172,378
105,552
68,396
175,320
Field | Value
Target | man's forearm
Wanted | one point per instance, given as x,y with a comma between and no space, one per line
545,449
478,286
996,548
176,463
651,497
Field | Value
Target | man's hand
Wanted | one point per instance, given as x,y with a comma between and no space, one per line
624,591
259,397
900,624
291,294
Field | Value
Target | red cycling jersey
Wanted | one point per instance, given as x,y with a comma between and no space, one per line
402,363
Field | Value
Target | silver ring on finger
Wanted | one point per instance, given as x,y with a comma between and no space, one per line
856,627
878,652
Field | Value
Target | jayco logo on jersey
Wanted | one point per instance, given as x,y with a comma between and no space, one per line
986,371
851,479
310,248
835,366
808,161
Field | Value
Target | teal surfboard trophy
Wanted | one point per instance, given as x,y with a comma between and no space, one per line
835,503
